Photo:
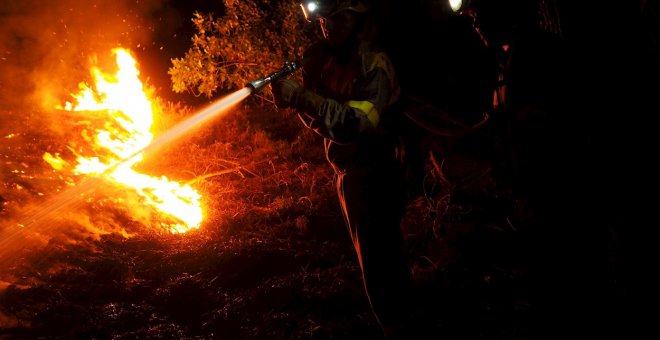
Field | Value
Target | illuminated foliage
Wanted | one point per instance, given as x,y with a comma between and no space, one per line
247,41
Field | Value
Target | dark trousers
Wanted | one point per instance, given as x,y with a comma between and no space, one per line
373,204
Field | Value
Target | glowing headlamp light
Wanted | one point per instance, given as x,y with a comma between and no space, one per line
310,9
457,6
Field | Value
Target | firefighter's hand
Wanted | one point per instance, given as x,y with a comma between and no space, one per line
285,92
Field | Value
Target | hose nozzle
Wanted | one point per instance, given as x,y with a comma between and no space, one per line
258,84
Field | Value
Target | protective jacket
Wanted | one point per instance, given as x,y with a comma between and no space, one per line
356,109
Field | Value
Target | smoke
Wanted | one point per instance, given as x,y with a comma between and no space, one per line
46,46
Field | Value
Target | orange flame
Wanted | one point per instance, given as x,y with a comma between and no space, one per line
125,134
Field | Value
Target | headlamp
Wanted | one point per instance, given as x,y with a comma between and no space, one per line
320,11
312,9
315,9
457,6
309,8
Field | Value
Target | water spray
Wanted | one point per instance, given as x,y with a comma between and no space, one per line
73,195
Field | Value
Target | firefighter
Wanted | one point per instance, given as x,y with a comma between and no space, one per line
350,97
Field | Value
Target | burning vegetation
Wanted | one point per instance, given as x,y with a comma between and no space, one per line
127,114
258,192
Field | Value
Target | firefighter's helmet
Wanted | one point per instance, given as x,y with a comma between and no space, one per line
315,9
322,12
